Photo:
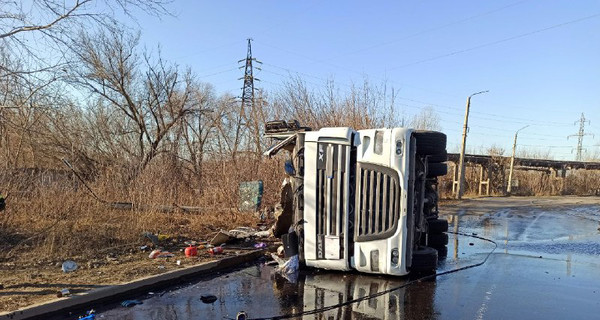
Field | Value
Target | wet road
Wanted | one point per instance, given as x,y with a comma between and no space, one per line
547,265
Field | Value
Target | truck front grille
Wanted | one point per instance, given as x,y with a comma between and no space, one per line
332,198
378,202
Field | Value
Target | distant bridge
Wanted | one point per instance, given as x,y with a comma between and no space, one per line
494,165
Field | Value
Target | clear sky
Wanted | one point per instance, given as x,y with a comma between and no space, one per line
539,59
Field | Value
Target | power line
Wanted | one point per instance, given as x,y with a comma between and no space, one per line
477,114
440,27
496,42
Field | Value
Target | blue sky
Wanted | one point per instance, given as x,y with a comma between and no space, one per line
539,59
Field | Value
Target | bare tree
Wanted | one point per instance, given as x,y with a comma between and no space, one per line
427,119
151,94
42,30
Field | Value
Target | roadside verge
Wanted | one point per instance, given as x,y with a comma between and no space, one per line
108,294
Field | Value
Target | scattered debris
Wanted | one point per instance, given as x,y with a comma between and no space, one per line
161,267
63,293
144,248
90,315
69,266
208,298
155,238
260,245
263,234
242,232
215,250
178,262
220,238
130,303
157,253
280,251
288,269
191,251
154,253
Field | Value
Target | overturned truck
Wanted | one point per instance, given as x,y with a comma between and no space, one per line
364,200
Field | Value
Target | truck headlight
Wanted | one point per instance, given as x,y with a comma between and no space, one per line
399,147
395,257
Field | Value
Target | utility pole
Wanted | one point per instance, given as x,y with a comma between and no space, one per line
461,169
248,102
580,135
512,162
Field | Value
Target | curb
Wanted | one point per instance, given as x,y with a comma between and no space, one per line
112,293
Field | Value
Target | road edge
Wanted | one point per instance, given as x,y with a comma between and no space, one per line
111,293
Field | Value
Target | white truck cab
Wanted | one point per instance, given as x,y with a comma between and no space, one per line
366,200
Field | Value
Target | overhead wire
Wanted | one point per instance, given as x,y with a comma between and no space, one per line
488,44
419,33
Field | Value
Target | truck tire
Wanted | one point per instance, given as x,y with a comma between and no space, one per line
437,240
436,170
430,142
442,252
437,158
424,259
437,226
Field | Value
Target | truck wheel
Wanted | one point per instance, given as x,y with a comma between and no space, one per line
424,259
442,252
439,157
430,142
436,170
437,240
437,226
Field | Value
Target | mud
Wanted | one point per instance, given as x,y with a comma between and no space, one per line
546,266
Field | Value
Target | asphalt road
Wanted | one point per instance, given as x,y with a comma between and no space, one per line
547,265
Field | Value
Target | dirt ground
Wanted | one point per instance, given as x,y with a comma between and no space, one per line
27,281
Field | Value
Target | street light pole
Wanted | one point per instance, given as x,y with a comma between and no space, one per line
512,162
461,169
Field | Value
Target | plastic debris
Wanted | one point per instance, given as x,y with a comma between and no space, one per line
63,293
263,234
130,303
208,298
153,254
215,250
160,254
288,269
260,245
90,315
191,251
69,266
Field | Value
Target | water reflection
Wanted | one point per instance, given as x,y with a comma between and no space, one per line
324,289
